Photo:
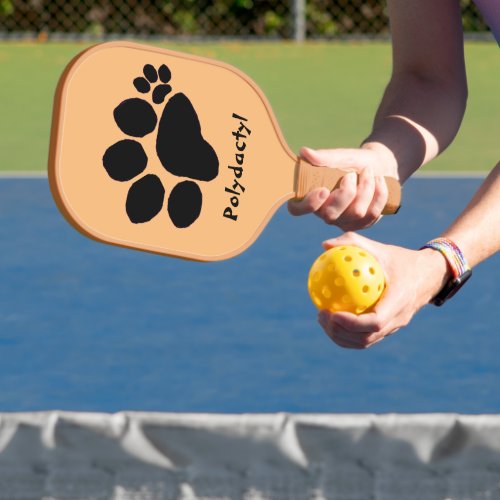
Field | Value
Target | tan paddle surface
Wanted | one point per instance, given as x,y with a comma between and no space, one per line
170,153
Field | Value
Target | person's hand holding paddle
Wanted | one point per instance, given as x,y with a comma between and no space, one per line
359,200
418,116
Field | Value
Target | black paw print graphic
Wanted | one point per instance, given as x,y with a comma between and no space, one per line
180,147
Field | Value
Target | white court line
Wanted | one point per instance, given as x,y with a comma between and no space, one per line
28,174
452,174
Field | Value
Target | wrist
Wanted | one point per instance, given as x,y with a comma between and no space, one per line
388,165
437,272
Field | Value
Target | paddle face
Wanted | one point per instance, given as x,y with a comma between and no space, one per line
165,152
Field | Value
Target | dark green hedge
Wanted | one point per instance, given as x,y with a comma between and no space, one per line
325,18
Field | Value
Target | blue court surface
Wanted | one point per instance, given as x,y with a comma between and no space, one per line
90,327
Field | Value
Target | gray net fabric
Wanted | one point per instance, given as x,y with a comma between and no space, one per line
153,456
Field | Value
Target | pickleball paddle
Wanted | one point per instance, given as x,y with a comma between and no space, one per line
172,153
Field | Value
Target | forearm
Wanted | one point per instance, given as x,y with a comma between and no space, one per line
477,230
424,103
416,120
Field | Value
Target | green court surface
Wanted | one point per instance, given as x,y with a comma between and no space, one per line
324,95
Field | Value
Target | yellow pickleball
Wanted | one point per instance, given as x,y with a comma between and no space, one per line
346,278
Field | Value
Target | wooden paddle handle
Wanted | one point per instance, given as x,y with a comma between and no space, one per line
309,177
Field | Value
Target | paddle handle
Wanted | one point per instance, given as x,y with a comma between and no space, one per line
309,177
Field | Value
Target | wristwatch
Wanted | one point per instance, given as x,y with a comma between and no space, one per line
460,270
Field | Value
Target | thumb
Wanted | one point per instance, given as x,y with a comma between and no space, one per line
313,156
349,159
377,249
349,238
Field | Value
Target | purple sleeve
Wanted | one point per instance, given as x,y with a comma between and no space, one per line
490,9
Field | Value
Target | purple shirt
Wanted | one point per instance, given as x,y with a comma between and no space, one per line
490,9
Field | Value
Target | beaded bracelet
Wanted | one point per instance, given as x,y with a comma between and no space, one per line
459,267
452,254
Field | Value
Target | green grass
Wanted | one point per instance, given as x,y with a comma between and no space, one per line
323,94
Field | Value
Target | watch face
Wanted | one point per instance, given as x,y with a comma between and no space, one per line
451,288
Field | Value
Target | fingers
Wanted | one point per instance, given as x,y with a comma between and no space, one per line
364,330
358,201
353,219
355,332
318,198
311,203
380,197
368,323
364,195
339,337
339,199
353,205
352,238
366,206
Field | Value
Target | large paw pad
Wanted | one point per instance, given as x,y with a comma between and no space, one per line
179,124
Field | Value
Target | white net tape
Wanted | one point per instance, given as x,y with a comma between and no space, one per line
160,456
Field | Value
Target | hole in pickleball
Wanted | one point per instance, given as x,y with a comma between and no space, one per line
372,270
317,300
366,289
356,273
379,288
363,254
346,299
360,309
317,276
327,293
339,281
348,258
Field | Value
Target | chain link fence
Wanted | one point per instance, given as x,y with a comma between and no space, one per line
283,19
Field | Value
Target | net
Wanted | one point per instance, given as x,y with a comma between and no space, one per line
159,456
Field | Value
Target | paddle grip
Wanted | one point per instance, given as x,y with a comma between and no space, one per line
309,177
